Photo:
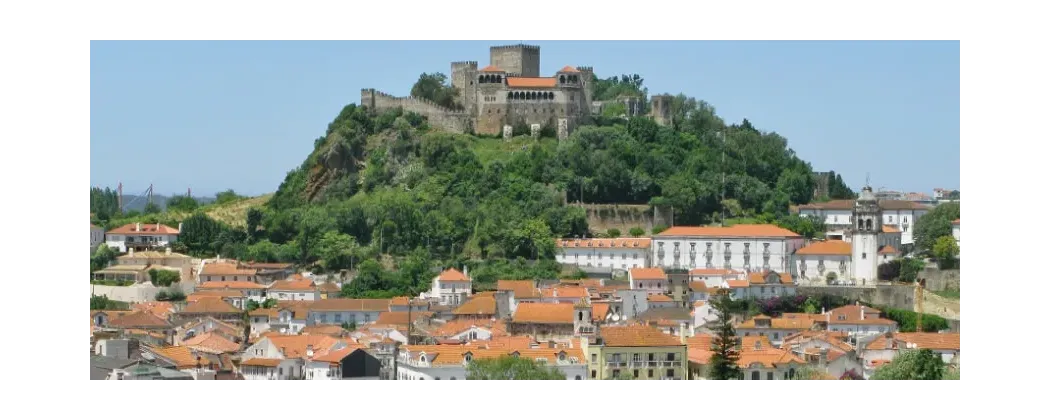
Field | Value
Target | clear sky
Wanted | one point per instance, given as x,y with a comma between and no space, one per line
216,115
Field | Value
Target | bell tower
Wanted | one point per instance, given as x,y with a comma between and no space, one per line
581,318
867,224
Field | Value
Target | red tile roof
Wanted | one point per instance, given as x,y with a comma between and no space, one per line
477,305
452,274
233,285
294,284
543,313
655,273
210,305
227,269
735,231
568,69
146,229
490,68
523,289
348,305
532,82
830,247
637,336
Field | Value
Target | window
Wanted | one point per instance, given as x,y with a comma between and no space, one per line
616,373
670,373
594,374
636,373
776,336
863,255
577,377
594,358
756,376
636,358
769,376
670,357
650,373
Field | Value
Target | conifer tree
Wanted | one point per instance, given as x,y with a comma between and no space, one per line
723,362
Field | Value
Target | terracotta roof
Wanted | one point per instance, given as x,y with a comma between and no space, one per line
735,231
588,283
712,272
568,69
599,311
270,312
210,305
490,68
146,229
779,323
324,329
477,305
204,294
212,343
295,284
523,289
452,274
454,354
158,309
890,229
183,357
660,298
258,361
565,292
956,221
932,341
208,285
767,357
226,269
349,305
637,336
336,356
140,319
736,284
697,286
215,325
401,317
834,338
532,82
760,277
543,313
267,266
294,346
636,243
655,273
832,247
888,249
330,287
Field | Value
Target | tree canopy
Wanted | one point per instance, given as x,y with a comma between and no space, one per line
511,368
435,87
935,224
912,365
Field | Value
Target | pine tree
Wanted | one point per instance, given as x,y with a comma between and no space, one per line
723,362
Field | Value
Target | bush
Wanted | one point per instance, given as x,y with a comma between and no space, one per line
889,271
614,233
637,232
659,228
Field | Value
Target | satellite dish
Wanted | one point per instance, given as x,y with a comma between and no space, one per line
615,318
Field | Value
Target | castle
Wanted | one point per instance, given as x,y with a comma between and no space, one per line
510,92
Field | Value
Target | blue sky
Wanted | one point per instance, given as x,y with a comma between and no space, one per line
216,115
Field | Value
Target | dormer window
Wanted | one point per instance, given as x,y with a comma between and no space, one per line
422,358
515,354
561,356
468,357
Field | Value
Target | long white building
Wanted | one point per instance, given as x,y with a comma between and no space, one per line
620,254
738,247
894,214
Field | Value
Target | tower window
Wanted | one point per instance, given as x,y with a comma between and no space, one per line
864,255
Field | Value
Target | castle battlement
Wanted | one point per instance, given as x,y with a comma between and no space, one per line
465,63
535,48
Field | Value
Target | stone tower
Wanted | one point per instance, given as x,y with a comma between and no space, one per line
586,74
865,237
581,318
464,79
517,60
661,112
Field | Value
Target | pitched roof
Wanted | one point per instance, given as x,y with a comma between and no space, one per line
348,305
294,346
210,305
888,250
568,69
956,221
660,298
543,313
336,356
626,243
477,305
297,284
490,68
140,319
779,323
852,314
203,294
523,289
401,317
455,354
932,341
158,309
637,336
144,229
324,329
456,326
767,357
258,361
736,284
532,82
830,247
735,231
848,205
212,343
211,285
452,274
565,292
697,286
599,311
712,272
329,287
183,357
655,273
226,269
760,277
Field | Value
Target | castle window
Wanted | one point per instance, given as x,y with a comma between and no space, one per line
561,78
868,224
499,79
481,79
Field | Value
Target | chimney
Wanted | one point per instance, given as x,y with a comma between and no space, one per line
827,317
309,350
823,310
681,332
138,227
180,227
823,357
861,313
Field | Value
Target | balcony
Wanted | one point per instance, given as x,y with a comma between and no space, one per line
667,363
616,364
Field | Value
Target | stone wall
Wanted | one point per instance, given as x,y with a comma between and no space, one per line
137,293
437,116
893,296
602,217
938,280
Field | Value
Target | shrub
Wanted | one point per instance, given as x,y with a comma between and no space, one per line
659,228
614,233
637,231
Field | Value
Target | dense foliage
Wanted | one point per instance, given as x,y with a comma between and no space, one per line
837,188
724,344
163,278
912,365
904,270
436,88
104,204
935,224
616,87
946,251
170,295
183,203
511,368
906,320
102,303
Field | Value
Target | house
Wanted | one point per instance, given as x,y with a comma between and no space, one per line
619,254
698,291
97,237
401,304
184,359
859,320
520,291
775,329
267,273
461,331
746,247
633,302
122,274
212,342
233,271
112,368
737,289
660,301
450,362
652,280
200,326
139,321
563,294
770,284
162,310
286,317
451,287
296,288
352,362
141,237
281,357
886,347
248,290
641,351
162,260
210,306
355,311
671,320
826,351
703,314
956,232
824,260
713,277
758,359
480,306
838,216
542,320
328,290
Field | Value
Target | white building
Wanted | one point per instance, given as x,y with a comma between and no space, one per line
620,253
713,277
738,247
220,271
652,280
955,234
297,288
141,237
338,311
838,216
819,261
97,236
451,287
250,291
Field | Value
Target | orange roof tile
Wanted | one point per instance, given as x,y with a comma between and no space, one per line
698,286
543,313
655,273
158,309
146,229
478,305
599,311
457,326
565,292
455,354
212,343
523,289
348,305
183,357
779,323
336,356
258,361
660,298
768,357
230,285
295,284
890,229
210,305
736,284
932,341
627,243
532,82
452,274
401,317
637,336
588,283
760,277
324,329
140,319
568,69
294,346
490,68
226,269
832,247
735,231
888,250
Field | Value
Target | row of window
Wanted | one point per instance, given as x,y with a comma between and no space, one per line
607,256
616,373
635,357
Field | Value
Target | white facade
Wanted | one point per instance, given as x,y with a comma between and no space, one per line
767,291
322,371
816,268
838,221
587,253
731,253
311,294
865,257
286,370
451,287
417,368
338,317
119,241
97,236
955,234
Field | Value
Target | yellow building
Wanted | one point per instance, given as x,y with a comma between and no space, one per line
638,351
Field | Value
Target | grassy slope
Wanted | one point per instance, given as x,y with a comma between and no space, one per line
233,214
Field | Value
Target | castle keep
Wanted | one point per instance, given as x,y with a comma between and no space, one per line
508,92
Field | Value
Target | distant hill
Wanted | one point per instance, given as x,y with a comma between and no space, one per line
161,200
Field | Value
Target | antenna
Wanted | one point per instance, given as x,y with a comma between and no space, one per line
867,179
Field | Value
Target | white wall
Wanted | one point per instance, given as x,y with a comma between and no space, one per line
834,218
766,291
117,241
956,233
838,264
322,371
780,251
617,258
865,258
143,292
294,294
339,317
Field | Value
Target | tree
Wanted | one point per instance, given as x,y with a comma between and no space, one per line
253,305
102,303
151,208
724,360
659,228
103,256
511,368
434,87
912,365
935,224
637,232
945,250
890,270
851,375
811,306
808,373
163,278
227,196
337,250
613,233
182,203
910,269
254,220
170,295
832,277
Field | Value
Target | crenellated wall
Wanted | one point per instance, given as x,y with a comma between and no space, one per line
437,115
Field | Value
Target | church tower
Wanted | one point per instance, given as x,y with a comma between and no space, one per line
581,318
865,237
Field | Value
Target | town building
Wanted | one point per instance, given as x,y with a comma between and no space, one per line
838,215
738,247
451,362
98,235
451,287
641,351
652,280
295,288
220,271
142,236
620,254
758,359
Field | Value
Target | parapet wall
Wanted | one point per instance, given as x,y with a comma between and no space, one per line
437,115
888,295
